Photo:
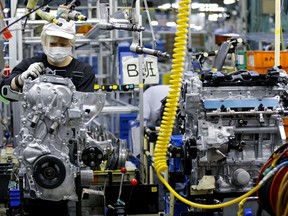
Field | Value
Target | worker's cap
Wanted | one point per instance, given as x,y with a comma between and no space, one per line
66,30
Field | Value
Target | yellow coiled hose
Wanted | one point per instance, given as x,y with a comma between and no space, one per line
172,104
174,87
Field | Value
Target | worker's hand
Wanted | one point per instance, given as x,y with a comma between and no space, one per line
33,71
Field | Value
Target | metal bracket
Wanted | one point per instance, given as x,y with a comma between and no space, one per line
7,92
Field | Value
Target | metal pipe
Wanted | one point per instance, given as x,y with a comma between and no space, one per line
151,170
259,146
119,109
172,201
277,32
145,160
258,130
244,15
219,113
138,19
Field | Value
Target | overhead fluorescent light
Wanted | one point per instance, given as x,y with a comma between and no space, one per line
229,2
154,23
205,7
175,5
170,24
213,17
195,5
212,9
196,27
165,6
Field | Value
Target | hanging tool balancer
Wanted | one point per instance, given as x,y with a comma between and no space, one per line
66,11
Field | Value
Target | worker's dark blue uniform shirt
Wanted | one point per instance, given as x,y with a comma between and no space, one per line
81,74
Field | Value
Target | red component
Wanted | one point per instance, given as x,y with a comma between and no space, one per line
6,71
134,182
7,34
123,170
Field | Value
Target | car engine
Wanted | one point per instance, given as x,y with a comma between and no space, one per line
53,133
54,145
232,123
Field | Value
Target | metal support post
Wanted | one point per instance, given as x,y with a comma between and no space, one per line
138,35
151,169
277,32
244,16
145,157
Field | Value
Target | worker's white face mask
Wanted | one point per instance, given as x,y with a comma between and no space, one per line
57,54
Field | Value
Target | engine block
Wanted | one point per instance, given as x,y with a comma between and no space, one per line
232,124
53,135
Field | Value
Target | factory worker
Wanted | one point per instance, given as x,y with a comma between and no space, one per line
57,42
152,98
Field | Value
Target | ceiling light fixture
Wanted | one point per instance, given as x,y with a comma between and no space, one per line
229,2
165,6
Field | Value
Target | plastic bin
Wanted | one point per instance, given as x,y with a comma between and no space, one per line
175,163
124,134
260,61
176,140
124,126
124,120
14,197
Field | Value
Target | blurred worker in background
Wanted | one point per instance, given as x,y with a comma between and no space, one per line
57,42
152,98
154,102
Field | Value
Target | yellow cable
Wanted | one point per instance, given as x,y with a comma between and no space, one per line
172,104
203,206
285,203
174,86
242,203
286,211
275,156
241,207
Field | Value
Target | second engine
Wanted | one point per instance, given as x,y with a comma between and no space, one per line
233,122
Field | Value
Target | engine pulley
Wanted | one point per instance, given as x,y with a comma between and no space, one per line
49,172
92,156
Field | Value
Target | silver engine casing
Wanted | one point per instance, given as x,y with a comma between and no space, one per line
54,121
236,128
